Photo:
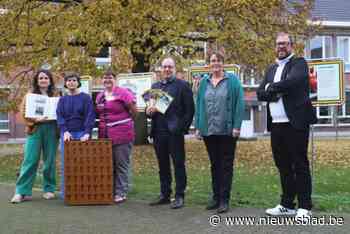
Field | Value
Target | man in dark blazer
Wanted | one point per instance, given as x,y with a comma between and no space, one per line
168,132
285,88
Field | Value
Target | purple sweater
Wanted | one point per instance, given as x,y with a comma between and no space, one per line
75,113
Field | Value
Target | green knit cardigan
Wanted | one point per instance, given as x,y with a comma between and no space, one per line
235,105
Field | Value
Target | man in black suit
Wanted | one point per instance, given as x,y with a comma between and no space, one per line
285,88
168,131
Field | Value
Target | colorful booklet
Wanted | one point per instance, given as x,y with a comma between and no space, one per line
41,106
157,98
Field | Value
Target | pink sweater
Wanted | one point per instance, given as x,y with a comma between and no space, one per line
115,120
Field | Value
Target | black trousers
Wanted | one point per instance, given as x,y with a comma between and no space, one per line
289,148
166,147
221,151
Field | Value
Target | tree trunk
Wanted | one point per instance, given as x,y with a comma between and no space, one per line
141,62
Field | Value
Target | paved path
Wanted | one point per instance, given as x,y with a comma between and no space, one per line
40,216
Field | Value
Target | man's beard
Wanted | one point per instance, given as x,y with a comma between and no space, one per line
286,54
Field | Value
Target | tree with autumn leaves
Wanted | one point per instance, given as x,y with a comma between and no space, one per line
67,34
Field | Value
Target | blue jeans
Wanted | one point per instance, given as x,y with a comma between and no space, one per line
75,136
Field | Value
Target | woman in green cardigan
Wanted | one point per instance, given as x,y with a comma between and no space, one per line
218,118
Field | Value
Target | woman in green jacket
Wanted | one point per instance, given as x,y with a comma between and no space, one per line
218,118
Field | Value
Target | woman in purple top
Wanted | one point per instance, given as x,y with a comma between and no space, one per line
116,109
75,116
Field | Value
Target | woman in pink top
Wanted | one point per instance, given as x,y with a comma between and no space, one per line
116,109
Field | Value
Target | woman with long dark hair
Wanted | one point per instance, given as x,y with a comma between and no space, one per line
42,138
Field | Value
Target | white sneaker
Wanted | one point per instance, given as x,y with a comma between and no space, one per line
119,199
18,198
280,210
49,196
303,214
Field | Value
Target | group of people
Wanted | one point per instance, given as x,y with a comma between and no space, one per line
76,117
218,110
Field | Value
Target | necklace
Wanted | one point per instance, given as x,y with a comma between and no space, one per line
109,96
215,81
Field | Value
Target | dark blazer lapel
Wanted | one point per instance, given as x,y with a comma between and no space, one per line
272,73
286,69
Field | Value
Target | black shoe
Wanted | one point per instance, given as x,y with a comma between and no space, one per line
160,201
212,205
177,203
223,208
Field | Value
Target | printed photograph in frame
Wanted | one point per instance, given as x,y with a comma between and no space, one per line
326,81
196,73
137,83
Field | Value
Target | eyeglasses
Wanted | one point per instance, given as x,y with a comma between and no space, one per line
282,43
168,66
108,77
215,61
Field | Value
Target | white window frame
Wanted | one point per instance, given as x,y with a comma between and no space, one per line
103,60
330,116
8,124
345,62
323,37
343,115
8,117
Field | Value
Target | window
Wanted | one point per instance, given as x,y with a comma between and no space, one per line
324,115
344,110
4,120
316,47
321,47
103,58
324,112
343,48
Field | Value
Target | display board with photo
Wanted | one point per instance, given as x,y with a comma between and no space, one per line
326,80
41,106
137,83
196,73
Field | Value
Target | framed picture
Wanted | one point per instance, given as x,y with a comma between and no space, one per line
196,73
85,84
40,106
326,79
137,83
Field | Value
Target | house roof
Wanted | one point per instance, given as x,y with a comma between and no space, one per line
332,10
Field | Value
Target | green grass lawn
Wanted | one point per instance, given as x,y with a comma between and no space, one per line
256,183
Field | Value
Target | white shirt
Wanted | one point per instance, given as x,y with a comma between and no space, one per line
277,110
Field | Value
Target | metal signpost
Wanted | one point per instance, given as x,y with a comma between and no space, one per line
326,79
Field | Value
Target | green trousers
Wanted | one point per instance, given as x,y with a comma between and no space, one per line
44,140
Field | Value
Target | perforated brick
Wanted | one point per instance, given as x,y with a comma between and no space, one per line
88,172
